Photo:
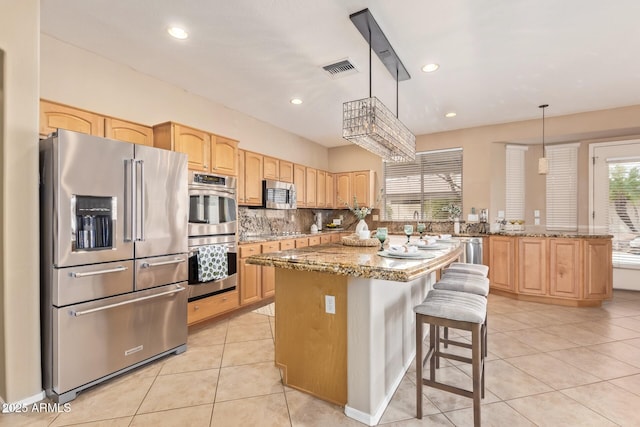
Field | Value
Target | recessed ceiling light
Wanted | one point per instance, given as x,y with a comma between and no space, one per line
450,114
430,68
178,33
296,101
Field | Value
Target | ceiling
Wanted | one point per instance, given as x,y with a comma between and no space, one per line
498,59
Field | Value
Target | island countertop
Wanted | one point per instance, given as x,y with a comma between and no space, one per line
357,261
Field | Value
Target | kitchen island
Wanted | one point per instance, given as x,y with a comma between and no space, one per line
571,269
345,327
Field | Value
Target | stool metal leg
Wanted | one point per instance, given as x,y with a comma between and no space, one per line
419,362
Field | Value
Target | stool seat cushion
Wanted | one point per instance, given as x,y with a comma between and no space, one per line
479,269
452,305
468,286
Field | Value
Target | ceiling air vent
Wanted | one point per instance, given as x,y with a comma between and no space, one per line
340,69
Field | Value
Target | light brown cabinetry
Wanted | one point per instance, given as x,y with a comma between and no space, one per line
299,179
123,130
224,152
54,116
286,171
311,180
241,178
321,189
564,268
330,188
253,173
502,262
532,266
271,168
250,275
557,270
598,269
269,273
359,184
302,242
210,307
205,152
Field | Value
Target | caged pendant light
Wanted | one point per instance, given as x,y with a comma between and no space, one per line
543,162
368,122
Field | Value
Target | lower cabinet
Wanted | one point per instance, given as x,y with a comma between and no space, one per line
210,307
532,266
502,262
598,269
250,276
565,276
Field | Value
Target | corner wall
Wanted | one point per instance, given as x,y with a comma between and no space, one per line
20,377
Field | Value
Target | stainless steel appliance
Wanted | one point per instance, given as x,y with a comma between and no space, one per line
278,195
212,228
113,258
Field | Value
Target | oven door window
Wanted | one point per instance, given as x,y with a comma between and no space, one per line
206,208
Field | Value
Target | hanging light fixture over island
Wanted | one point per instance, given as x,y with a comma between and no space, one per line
543,162
368,122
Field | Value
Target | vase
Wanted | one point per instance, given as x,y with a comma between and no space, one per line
361,226
456,226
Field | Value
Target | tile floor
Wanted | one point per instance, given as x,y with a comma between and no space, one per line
548,366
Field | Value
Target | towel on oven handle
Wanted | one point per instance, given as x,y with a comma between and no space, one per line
212,263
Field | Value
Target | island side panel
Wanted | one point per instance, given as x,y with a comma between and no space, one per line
310,344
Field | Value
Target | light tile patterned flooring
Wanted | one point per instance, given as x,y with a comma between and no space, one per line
548,366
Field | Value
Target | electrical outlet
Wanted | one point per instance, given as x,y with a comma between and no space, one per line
536,221
536,213
330,304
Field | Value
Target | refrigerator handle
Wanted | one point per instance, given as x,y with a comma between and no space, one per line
142,198
131,301
130,185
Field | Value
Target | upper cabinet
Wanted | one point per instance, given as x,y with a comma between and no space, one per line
359,184
321,187
311,178
271,168
193,142
206,152
330,189
253,173
54,116
241,178
299,179
224,154
127,131
286,171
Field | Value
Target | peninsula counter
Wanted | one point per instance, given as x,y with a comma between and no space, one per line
345,327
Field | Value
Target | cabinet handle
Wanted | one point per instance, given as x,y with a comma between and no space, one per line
196,308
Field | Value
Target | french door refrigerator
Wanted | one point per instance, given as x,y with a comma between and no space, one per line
114,257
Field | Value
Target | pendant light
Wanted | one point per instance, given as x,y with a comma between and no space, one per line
543,162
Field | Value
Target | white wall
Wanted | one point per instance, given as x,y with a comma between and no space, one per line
79,78
20,377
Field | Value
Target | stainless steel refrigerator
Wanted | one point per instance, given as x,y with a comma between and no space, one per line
113,258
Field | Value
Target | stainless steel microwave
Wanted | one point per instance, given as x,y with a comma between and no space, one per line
278,194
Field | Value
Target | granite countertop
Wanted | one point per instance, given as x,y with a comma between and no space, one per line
271,237
556,234
357,261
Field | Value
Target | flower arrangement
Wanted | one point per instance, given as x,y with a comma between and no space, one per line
359,211
454,211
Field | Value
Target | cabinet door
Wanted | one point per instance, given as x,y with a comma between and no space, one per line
311,180
253,173
335,238
241,178
195,144
325,238
271,168
250,283
502,259
343,190
299,179
532,266
224,152
54,116
302,242
564,268
598,269
128,131
286,171
207,308
321,189
269,273
362,184
330,191
287,244
315,240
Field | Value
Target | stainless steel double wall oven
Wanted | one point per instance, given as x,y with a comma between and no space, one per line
212,226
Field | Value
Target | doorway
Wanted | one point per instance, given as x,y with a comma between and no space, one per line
615,206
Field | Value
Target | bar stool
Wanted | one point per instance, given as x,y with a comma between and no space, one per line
469,283
457,310
461,267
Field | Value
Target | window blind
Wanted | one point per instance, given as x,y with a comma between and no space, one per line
562,187
419,190
515,182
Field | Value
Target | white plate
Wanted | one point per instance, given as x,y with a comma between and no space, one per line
435,247
406,255
444,241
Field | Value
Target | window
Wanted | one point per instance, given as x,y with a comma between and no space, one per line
562,187
419,190
624,210
515,182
